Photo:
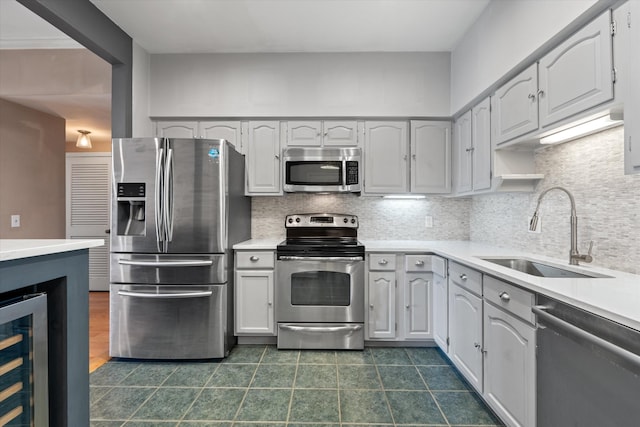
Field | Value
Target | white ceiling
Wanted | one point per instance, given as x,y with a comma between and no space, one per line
207,26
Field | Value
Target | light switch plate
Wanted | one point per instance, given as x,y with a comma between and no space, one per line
428,221
15,221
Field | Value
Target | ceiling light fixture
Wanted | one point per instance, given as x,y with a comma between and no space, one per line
583,129
83,139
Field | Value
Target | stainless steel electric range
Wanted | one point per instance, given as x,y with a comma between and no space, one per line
320,283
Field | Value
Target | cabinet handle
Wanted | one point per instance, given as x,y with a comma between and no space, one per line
504,296
371,306
277,157
413,156
476,345
408,307
470,149
419,263
531,96
270,303
254,258
383,262
540,93
463,276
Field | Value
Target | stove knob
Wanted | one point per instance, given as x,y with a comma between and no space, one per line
297,219
345,220
353,220
290,220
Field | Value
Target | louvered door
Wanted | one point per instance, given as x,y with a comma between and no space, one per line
88,181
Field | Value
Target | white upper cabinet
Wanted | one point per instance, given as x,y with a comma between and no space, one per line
263,158
578,74
336,133
463,147
386,158
481,148
342,133
178,129
516,106
304,134
229,130
430,157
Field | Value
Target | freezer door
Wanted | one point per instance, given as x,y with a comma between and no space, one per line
168,322
168,269
196,195
136,194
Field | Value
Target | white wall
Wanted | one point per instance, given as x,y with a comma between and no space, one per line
141,124
504,35
300,84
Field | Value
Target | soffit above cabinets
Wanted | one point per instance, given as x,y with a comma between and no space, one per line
224,26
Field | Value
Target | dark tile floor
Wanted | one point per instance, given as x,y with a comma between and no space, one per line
260,386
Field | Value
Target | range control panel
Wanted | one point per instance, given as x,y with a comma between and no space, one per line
321,220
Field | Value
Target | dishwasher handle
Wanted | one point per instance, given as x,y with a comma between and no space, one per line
628,356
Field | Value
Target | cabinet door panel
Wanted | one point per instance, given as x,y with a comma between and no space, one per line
222,130
177,129
577,75
465,333
462,153
440,312
385,158
382,303
430,157
254,312
263,158
304,134
417,299
340,133
516,106
481,138
509,381
632,98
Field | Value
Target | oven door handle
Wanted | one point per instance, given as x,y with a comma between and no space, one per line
321,258
355,327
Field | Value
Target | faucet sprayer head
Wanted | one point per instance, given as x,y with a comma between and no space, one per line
533,224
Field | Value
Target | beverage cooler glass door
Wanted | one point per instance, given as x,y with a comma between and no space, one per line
23,362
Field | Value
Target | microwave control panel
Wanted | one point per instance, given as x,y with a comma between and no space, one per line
352,173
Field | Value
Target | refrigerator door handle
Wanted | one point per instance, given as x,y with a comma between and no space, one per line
158,200
168,196
188,263
166,296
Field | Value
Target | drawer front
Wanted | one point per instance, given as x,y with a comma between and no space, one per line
382,262
255,259
417,263
466,277
515,300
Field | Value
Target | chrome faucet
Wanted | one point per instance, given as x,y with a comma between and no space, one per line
574,255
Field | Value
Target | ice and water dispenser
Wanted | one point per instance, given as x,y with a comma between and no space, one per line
131,209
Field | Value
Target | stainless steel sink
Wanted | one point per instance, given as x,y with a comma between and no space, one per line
540,269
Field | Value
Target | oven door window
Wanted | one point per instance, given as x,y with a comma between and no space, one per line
314,173
326,288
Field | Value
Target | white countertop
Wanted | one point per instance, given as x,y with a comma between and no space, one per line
11,249
616,297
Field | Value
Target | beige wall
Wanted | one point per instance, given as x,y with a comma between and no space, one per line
32,173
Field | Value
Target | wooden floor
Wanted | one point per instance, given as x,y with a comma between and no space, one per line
98,329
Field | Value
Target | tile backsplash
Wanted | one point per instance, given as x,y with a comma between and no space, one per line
607,205
591,168
381,219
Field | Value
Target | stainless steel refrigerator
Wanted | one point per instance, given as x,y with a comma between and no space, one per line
178,206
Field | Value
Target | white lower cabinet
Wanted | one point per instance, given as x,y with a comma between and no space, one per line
465,333
399,293
382,304
254,293
440,305
509,367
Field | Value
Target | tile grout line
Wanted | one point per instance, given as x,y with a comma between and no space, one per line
244,397
204,385
444,417
384,392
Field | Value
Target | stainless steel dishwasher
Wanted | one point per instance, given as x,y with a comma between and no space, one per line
588,369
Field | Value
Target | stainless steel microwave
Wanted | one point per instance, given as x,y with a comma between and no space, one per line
326,170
